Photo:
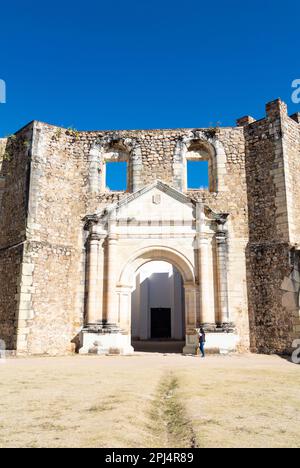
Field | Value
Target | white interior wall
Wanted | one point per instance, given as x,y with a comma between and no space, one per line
158,285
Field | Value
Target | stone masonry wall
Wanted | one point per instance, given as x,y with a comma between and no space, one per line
46,192
291,150
14,179
53,272
270,191
54,281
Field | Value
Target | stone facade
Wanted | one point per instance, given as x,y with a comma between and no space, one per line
70,248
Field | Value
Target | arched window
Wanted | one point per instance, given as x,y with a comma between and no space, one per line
115,170
200,170
114,165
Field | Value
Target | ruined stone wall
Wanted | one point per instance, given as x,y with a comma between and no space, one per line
291,151
268,252
46,191
14,179
271,323
162,156
51,281
291,283
233,201
10,267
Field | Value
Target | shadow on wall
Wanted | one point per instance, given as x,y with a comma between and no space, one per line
162,347
14,198
158,307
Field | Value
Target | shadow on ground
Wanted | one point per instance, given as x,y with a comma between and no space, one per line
157,346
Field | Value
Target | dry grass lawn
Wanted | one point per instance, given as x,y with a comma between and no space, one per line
150,400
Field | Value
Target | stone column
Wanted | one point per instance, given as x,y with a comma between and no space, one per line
95,278
222,267
112,262
100,282
207,307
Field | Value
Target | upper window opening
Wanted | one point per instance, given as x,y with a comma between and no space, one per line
197,175
200,167
116,176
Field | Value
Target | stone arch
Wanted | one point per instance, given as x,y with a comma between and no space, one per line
152,253
186,269
114,149
201,145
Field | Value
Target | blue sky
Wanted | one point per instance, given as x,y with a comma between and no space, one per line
159,64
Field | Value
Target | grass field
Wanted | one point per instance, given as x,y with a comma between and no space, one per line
150,400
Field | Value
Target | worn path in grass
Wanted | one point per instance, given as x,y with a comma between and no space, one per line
150,400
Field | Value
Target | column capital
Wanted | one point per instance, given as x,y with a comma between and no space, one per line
112,238
96,236
124,288
221,237
203,239
190,287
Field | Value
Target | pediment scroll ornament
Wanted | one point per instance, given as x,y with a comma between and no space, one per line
219,218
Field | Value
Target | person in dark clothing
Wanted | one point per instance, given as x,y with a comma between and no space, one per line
202,342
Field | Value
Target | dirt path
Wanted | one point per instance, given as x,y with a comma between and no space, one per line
170,422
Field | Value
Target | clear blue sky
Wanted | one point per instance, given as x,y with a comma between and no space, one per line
133,64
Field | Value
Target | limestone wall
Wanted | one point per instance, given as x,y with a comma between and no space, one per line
291,151
51,301
14,181
54,302
272,160
60,197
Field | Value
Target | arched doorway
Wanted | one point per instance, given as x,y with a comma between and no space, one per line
158,308
127,284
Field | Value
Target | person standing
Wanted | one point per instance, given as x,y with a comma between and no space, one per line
202,340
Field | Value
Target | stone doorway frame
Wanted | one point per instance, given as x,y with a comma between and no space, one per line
125,287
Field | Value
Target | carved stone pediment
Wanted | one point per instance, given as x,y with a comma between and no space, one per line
160,204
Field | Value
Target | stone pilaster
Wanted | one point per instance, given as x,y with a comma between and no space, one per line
222,271
111,301
124,308
94,170
207,309
95,278
191,319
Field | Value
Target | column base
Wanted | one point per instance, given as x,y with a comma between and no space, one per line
105,338
191,344
221,342
218,341
220,327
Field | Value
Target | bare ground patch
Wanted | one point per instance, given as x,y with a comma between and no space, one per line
150,400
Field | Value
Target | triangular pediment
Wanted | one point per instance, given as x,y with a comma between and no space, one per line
155,201
156,186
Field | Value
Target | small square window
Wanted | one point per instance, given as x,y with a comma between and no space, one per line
197,175
116,176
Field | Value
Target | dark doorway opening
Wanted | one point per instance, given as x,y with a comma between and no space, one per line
160,323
